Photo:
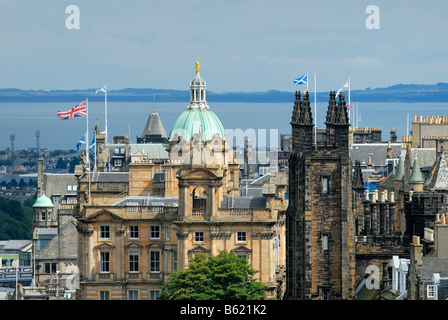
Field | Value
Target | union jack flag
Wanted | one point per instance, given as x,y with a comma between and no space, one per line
78,111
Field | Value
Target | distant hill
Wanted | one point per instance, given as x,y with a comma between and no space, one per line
397,93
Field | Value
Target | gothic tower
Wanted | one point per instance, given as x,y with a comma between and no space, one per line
320,221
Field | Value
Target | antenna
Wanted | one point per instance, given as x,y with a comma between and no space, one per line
12,138
154,102
37,139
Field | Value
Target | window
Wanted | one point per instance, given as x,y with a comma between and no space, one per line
155,232
325,185
155,261
430,291
325,242
133,261
104,261
104,232
241,236
154,294
104,295
167,233
43,216
174,260
133,294
199,236
133,232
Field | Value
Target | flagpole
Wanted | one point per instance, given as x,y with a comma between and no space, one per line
315,112
307,90
87,145
349,95
105,107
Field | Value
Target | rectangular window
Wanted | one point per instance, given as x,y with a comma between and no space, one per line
155,232
154,294
155,261
133,232
199,236
104,261
325,185
174,260
325,242
430,291
43,216
167,233
104,232
133,261
133,294
104,295
241,236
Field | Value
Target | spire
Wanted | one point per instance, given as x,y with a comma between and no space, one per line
358,182
331,112
399,171
341,111
305,117
416,179
416,176
296,109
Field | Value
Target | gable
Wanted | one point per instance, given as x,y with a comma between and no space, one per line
103,215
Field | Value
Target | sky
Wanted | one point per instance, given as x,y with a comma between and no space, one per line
242,45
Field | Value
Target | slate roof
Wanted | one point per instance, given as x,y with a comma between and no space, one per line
154,126
377,152
146,201
433,265
439,180
243,202
151,150
109,177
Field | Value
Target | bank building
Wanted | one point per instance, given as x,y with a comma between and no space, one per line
169,199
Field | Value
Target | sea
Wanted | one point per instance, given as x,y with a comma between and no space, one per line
24,119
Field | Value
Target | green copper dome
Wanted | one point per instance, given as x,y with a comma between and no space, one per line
198,118
43,202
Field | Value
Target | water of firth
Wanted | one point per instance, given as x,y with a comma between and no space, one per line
129,118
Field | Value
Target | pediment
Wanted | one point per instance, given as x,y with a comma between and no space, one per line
103,215
241,249
198,174
199,249
104,246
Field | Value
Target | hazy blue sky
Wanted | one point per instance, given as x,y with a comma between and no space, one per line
251,45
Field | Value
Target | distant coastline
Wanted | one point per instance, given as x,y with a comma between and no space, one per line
397,93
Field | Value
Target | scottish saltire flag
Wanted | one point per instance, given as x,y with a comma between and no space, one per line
339,91
301,80
81,142
103,89
93,144
79,111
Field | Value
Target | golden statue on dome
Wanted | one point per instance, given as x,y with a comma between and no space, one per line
198,67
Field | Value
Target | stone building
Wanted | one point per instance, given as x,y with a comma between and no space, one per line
320,220
336,231
137,225
54,227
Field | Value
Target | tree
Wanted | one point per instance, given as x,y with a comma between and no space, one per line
222,277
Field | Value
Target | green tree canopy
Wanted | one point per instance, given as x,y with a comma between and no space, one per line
222,277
